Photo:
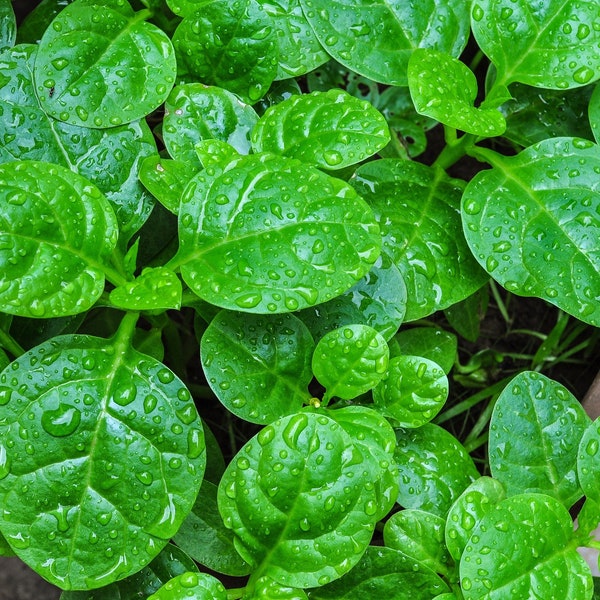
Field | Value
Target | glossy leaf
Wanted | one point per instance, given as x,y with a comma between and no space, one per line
205,538
467,510
376,39
95,485
267,588
199,586
434,468
412,392
156,288
587,461
594,113
32,28
531,222
272,235
445,89
230,45
195,112
417,208
350,361
258,366
100,65
535,431
523,548
165,179
57,231
433,343
551,45
297,499
384,573
419,535
8,25
329,130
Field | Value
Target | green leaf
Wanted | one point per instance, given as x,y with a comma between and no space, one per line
105,65
269,234
297,498
594,113
522,548
195,112
468,509
587,461
165,179
267,588
530,220
57,232
384,573
465,316
417,208
588,518
8,25
412,392
551,45
204,536
199,586
433,343
434,468
156,288
376,39
5,549
329,130
32,28
230,45
419,535
350,361
535,431
215,153
95,485
258,366
445,89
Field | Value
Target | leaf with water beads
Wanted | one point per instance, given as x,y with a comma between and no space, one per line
523,548
104,65
434,343
8,25
200,586
165,179
157,288
532,221
109,466
57,232
587,461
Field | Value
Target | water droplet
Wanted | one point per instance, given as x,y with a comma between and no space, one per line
5,394
145,477
477,12
592,447
125,394
472,207
490,264
295,426
249,300
4,463
266,435
187,414
583,75
61,421
304,524
81,113
195,443
370,508
150,402
332,157
188,580
583,31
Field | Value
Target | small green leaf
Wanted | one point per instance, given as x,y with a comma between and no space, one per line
468,509
445,89
530,219
552,45
377,38
215,153
267,588
270,235
587,461
433,343
434,468
199,586
156,288
329,130
535,431
350,361
57,232
258,366
105,65
8,25
412,392
522,548
165,179
230,45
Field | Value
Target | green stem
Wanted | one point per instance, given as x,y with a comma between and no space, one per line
8,343
455,148
126,330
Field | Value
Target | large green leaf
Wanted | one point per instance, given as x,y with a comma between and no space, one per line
552,44
376,38
417,208
330,130
109,466
258,365
57,232
199,586
535,432
100,65
8,25
269,234
298,498
532,222
523,548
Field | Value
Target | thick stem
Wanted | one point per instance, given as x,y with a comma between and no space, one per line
8,343
455,148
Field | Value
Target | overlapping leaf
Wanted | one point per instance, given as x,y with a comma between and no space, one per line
156,288
587,462
8,25
200,586
165,179
433,343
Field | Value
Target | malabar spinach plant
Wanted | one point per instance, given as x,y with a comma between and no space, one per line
214,201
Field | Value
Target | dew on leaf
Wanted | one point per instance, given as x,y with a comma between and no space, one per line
61,421
165,376
583,75
592,447
145,477
125,394
249,300
4,462
195,443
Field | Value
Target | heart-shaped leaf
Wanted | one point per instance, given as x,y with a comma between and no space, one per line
554,44
535,431
417,208
376,38
99,65
329,130
531,221
258,366
269,234
96,485
199,586
57,232
445,89
155,288
523,548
